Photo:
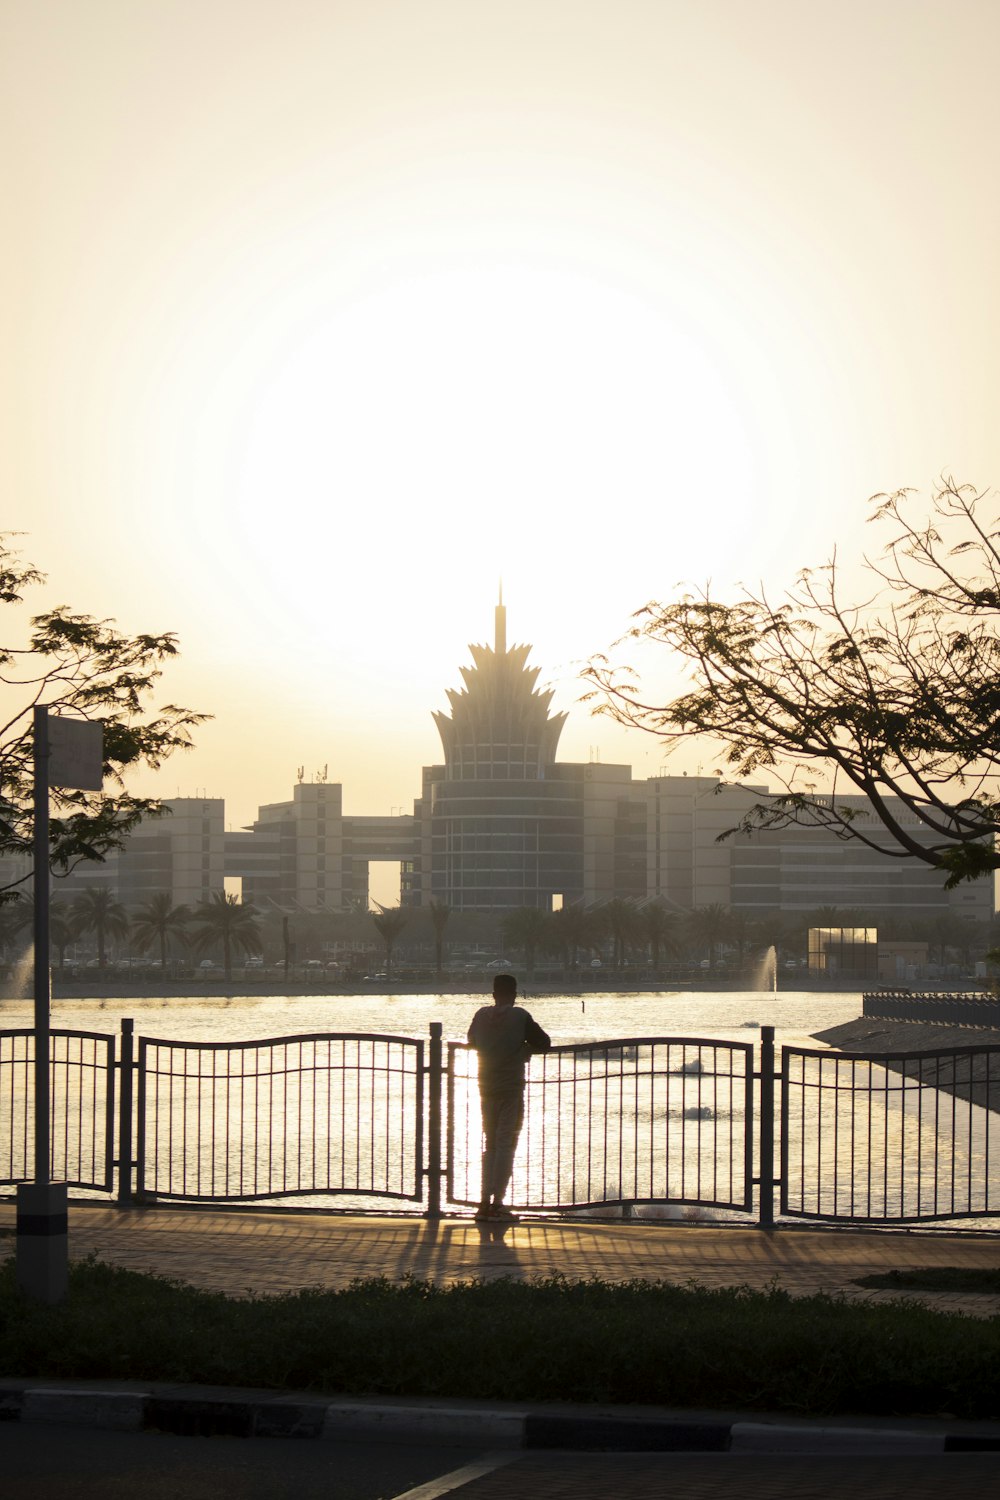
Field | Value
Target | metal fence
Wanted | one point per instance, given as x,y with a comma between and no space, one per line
635,1120
884,1138
284,1117
890,1137
82,1092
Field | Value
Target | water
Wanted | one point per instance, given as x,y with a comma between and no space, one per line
633,1122
796,1016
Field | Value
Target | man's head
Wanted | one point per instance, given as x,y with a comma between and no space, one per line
504,989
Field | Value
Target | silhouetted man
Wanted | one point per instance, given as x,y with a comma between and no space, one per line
505,1036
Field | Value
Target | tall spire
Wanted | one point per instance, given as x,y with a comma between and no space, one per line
499,727
500,631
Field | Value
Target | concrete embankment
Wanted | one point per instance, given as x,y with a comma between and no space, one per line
976,1079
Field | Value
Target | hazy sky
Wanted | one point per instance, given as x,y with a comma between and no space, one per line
320,316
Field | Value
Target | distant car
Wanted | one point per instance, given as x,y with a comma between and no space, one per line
254,963
207,963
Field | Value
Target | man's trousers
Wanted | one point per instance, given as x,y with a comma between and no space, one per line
503,1116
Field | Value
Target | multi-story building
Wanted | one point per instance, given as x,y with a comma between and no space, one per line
183,852
692,862
501,823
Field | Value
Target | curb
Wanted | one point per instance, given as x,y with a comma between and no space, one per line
352,1421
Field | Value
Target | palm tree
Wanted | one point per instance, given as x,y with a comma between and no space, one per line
96,910
619,918
709,925
574,927
11,920
526,926
62,927
234,924
659,928
440,911
389,922
158,921
741,931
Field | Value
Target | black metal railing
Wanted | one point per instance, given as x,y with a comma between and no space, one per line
635,1120
82,1092
889,1137
964,1008
882,1138
282,1117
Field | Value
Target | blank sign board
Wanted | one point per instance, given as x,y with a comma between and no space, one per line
76,751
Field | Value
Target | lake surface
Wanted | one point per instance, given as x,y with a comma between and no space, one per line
796,1015
664,1124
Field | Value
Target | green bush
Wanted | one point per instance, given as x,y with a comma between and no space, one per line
546,1340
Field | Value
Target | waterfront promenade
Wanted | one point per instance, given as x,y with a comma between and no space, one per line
277,1251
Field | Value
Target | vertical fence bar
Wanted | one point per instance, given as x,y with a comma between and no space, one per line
140,1129
125,1114
435,1074
766,1219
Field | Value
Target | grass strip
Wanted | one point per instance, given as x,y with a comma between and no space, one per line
935,1279
545,1340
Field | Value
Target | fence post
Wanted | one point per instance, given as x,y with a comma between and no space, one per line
766,1180
127,1066
435,1076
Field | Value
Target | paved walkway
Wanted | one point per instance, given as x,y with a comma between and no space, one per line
238,1252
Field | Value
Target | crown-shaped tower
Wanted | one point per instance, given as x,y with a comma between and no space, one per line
499,728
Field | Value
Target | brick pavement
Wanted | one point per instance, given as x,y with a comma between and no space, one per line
239,1252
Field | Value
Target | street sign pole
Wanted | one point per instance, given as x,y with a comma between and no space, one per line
42,980
66,752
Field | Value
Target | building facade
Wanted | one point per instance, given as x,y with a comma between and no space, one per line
691,862
501,823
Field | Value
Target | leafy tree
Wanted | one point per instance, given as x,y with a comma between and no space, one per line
224,920
896,697
96,910
157,922
389,922
439,911
526,927
80,667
